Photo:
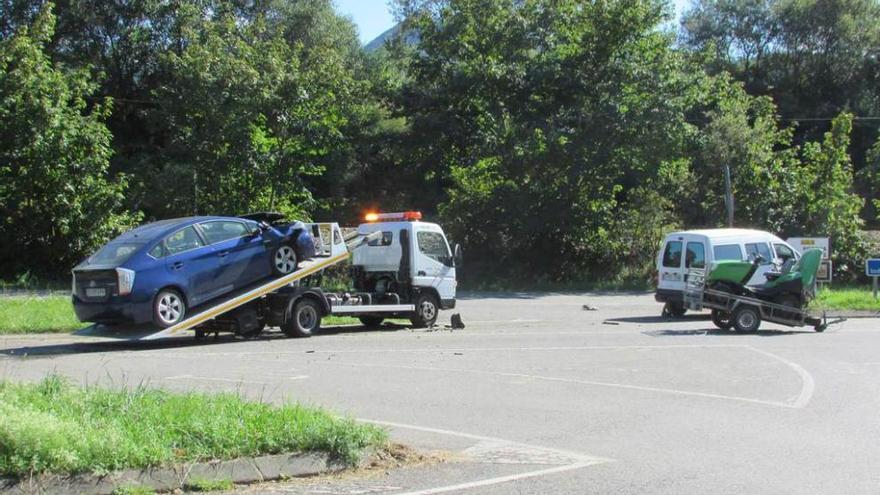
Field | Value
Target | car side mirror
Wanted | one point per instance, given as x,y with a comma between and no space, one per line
255,231
458,257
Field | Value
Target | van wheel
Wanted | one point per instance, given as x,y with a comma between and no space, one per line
303,320
746,319
675,310
721,319
371,321
169,308
426,311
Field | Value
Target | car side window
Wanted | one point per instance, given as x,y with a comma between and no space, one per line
183,240
385,240
695,256
222,230
158,251
727,252
672,254
759,248
432,245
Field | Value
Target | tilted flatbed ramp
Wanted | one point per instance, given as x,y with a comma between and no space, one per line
334,251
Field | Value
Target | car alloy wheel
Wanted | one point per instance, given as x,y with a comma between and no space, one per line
170,308
284,260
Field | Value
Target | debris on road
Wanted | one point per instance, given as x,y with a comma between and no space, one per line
456,322
587,307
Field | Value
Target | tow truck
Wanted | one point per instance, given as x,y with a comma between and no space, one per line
402,267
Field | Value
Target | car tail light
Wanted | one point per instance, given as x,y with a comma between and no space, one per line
125,277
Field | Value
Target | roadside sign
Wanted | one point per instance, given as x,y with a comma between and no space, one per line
872,267
823,275
804,243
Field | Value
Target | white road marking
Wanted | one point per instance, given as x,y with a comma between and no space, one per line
808,385
796,405
570,460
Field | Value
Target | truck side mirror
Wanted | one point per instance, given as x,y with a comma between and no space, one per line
458,257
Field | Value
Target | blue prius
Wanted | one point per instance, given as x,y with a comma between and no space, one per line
159,271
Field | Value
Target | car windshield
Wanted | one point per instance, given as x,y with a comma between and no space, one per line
114,253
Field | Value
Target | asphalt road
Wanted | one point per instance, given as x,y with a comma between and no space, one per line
538,395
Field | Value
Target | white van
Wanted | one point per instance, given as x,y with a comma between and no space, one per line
699,248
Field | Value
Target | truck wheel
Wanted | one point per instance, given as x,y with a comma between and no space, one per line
169,308
746,319
721,319
371,321
284,260
304,319
426,311
675,310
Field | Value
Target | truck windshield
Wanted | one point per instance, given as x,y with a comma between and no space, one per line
433,245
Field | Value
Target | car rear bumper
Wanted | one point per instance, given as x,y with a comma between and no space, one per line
669,295
114,310
447,304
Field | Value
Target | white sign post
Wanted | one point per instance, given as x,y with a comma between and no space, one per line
801,244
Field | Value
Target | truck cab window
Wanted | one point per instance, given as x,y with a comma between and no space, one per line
385,240
433,245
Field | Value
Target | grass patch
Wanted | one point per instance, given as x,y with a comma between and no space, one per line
55,427
54,314
133,490
853,298
26,314
199,485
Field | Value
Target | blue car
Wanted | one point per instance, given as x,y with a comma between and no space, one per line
159,271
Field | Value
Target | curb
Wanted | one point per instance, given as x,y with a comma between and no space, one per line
242,470
852,314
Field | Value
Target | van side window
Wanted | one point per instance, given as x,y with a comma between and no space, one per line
784,252
385,240
727,252
696,255
672,254
759,248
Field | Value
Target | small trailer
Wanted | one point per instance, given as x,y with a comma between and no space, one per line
744,313
401,268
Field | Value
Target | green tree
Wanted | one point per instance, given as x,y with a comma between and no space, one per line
57,201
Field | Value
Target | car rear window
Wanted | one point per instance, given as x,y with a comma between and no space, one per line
672,254
114,253
727,252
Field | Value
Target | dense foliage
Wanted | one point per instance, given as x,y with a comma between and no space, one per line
557,139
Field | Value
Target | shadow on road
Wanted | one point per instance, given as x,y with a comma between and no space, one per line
50,350
717,332
659,319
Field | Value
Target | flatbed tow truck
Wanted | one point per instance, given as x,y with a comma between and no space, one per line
401,268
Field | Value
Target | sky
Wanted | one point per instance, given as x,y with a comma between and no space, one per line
373,17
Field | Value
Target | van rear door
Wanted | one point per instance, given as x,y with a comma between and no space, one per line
680,253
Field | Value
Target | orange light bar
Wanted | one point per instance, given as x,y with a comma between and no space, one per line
391,217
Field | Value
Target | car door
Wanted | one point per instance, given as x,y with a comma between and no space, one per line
192,264
241,255
433,264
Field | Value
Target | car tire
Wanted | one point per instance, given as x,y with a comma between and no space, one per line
304,319
169,308
427,309
284,260
746,318
371,321
721,319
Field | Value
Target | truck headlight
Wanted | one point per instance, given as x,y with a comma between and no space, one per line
125,277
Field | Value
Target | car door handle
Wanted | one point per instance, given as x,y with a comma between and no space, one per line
177,265
223,254
421,273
